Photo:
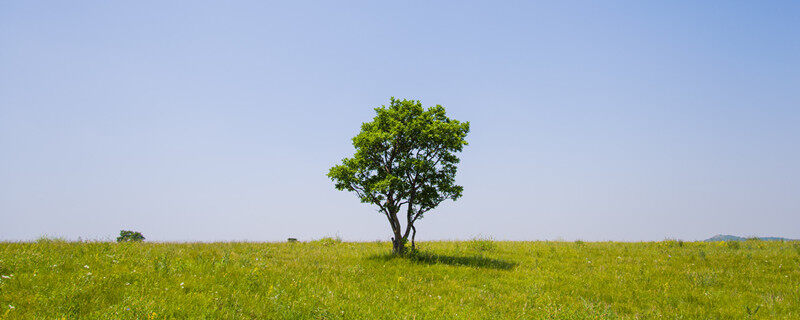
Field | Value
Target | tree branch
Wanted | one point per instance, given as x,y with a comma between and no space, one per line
374,200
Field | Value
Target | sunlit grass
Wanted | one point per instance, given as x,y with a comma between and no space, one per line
328,279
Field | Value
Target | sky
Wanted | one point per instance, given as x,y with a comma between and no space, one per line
217,121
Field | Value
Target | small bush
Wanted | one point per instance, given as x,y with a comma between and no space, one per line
46,239
735,245
481,244
672,243
130,236
329,241
579,242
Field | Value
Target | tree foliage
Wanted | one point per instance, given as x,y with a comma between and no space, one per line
405,162
130,236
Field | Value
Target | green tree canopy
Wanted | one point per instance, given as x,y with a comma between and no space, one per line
405,157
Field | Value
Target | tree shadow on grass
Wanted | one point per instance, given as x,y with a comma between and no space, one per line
464,261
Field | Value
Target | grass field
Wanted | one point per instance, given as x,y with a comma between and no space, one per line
328,279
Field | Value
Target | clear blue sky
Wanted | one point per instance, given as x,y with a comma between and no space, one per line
638,120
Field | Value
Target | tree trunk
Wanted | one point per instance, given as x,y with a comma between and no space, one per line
398,241
398,246
413,235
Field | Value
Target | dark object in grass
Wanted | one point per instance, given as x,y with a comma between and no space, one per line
130,236
291,240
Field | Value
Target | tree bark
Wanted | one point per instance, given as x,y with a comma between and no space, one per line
398,241
398,246
413,235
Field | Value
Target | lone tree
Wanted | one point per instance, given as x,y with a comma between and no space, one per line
405,156
130,236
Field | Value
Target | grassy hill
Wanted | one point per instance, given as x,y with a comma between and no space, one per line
449,280
727,237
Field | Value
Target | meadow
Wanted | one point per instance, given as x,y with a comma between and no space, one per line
330,279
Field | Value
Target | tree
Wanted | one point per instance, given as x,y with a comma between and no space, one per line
130,236
404,157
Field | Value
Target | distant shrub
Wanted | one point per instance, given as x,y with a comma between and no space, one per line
735,245
580,242
481,244
46,239
329,241
130,236
671,243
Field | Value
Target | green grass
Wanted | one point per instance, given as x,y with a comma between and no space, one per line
330,279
